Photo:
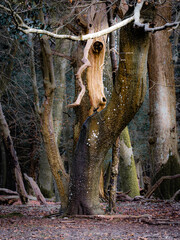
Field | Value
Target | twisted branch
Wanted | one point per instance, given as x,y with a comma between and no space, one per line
79,74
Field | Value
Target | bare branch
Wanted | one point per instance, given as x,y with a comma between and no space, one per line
136,16
155,29
175,195
156,185
62,55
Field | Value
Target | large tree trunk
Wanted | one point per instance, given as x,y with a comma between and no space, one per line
101,129
163,134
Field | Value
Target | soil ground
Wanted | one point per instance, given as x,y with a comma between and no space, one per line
31,222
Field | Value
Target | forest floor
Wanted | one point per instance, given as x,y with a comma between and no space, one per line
154,220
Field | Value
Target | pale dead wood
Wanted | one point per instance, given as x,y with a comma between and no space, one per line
7,191
157,184
123,197
112,217
9,199
4,128
79,73
175,195
4,199
36,189
160,221
26,29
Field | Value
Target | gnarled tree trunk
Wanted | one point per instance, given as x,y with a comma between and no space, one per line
101,129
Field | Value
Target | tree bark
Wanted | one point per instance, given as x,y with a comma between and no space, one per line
114,175
127,166
101,129
163,132
35,189
55,161
15,163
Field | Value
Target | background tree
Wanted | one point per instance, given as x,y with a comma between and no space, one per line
163,131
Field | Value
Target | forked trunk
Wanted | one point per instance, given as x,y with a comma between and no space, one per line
101,129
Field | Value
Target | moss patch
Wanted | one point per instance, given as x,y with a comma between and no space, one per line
46,193
168,187
14,214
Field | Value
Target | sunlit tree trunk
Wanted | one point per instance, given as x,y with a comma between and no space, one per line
163,134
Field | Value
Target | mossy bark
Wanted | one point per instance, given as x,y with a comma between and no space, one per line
45,179
127,168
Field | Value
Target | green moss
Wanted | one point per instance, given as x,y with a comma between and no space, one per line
128,176
128,173
168,187
14,214
125,137
46,193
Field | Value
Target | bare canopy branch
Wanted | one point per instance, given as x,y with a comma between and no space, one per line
27,29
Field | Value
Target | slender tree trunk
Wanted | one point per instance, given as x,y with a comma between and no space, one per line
55,161
127,166
60,67
163,133
15,163
114,175
46,119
